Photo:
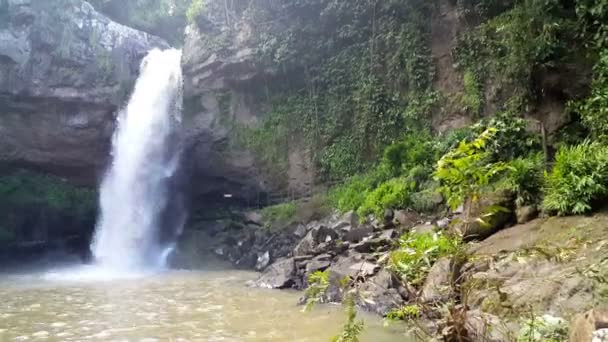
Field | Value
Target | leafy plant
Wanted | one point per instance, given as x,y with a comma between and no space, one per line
352,328
524,178
279,214
578,178
544,329
418,252
392,194
466,171
406,312
318,282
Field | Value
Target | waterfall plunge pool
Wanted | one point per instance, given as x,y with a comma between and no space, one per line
71,304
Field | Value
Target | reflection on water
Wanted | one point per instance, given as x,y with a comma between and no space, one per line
171,306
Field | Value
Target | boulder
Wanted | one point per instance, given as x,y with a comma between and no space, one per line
357,234
377,294
279,275
350,218
388,216
495,209
484,327
526,213
306,245
444,223
300,231
405,219
253,217
262,261
424,228
354,265
380,244
318,263
438,283
584,326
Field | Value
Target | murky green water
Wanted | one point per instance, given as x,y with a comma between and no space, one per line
170,306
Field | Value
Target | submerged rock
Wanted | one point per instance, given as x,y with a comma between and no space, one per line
279,275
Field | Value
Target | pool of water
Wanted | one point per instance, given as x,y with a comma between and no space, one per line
83,304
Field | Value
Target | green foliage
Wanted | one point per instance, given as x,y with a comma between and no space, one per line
417,253
468,170
578,178
472,99
26,188
544,329
506,50
196,8
352,328
524,178
511,139
403,313
318,282
279,214
352,194
393,194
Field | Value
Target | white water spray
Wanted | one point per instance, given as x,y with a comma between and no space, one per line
145,155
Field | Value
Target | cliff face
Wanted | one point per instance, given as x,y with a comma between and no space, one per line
64,71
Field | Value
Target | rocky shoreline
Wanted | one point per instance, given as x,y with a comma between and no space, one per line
542,268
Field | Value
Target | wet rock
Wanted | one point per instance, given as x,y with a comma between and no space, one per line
584,325
379,244
324,234
262,261
377,295
405,219
319,263
358,233
526,213
306,245
253,217
354,265
300,231
476,230
279,275
485,327
444,223
388,216
388,234
438,283
424,228
351,218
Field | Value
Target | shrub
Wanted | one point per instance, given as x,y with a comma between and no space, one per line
394,193
579,177
196,9
318,282
466,171
525,179
544,329
351,194
511,139
418,252
279,214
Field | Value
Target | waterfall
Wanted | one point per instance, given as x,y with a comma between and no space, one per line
136,191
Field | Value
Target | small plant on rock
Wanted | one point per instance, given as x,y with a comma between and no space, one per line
543,329
418,252
318,282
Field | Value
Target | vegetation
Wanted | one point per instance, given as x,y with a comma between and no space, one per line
352,328
544,329
318,283
578,179
418,252
279,214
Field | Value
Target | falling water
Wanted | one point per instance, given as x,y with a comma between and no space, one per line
135,192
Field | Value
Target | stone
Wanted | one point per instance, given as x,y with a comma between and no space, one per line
475,230
584,325
485,327
387,234
262,261
405,219
253,217
353,265
600,335
444,223
306,245
279,275
318,263
357,234
377,295
437,285
388,216
424,228
379,244
300,231
351,218
526,213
